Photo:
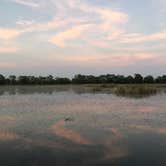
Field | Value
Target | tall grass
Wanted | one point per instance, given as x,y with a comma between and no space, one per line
134,90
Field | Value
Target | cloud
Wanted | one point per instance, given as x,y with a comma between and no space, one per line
61,38
137,38
96,26
105,23
122,60
57,23
29,3
160,4
9,33
8,50
7,64
104,60
109,22
7,40
25,22
71,21
163,2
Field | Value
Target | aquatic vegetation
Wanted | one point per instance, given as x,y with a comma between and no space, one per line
134,90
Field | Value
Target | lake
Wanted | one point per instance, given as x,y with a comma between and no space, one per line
73,126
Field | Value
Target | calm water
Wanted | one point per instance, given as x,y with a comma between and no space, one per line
70,126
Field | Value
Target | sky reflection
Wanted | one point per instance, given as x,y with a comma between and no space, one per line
67,128
60,130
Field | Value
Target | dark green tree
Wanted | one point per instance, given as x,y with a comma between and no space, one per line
149,79
138,79
12,79
129,80
79,79
2,79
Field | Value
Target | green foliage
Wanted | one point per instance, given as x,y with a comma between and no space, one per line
82,79
136,90
138,79
149,79
2,79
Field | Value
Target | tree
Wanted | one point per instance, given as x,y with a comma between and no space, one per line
103,79
23,80
62,80
138,79
110,78
79,79
149,79
164,79
158,80
12,79
50,79
129,80
2,80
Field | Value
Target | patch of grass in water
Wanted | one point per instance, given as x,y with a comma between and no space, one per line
135,90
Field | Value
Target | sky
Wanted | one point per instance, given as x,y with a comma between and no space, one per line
68,37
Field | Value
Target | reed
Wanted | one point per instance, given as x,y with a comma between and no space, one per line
134,90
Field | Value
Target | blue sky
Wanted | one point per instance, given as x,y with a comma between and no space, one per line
68,37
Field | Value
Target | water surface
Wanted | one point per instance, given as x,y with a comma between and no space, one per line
71,126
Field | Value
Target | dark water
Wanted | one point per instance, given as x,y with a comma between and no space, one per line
65,126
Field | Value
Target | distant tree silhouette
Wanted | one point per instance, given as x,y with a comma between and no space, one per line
130,80
12,79
23,80
81,79
62,80
161,79
149,79
138,79
2,80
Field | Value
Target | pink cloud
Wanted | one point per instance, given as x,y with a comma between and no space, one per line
9,33
7,64
114,60
8,50
61,38
136,38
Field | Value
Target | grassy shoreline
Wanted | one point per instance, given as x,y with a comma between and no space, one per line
125,90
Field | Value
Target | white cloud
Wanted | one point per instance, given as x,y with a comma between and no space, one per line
9,33
29,3
105,22
25,22
136,38
106,25
104,60
71,19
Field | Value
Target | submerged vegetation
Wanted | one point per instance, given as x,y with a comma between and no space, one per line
82,79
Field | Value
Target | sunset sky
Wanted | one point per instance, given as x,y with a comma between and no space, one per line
67,37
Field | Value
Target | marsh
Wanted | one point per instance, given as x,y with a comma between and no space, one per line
81,126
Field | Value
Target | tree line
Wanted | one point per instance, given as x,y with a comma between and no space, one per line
82,79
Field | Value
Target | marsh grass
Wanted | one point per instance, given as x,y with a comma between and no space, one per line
135,90
127,90
132,90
